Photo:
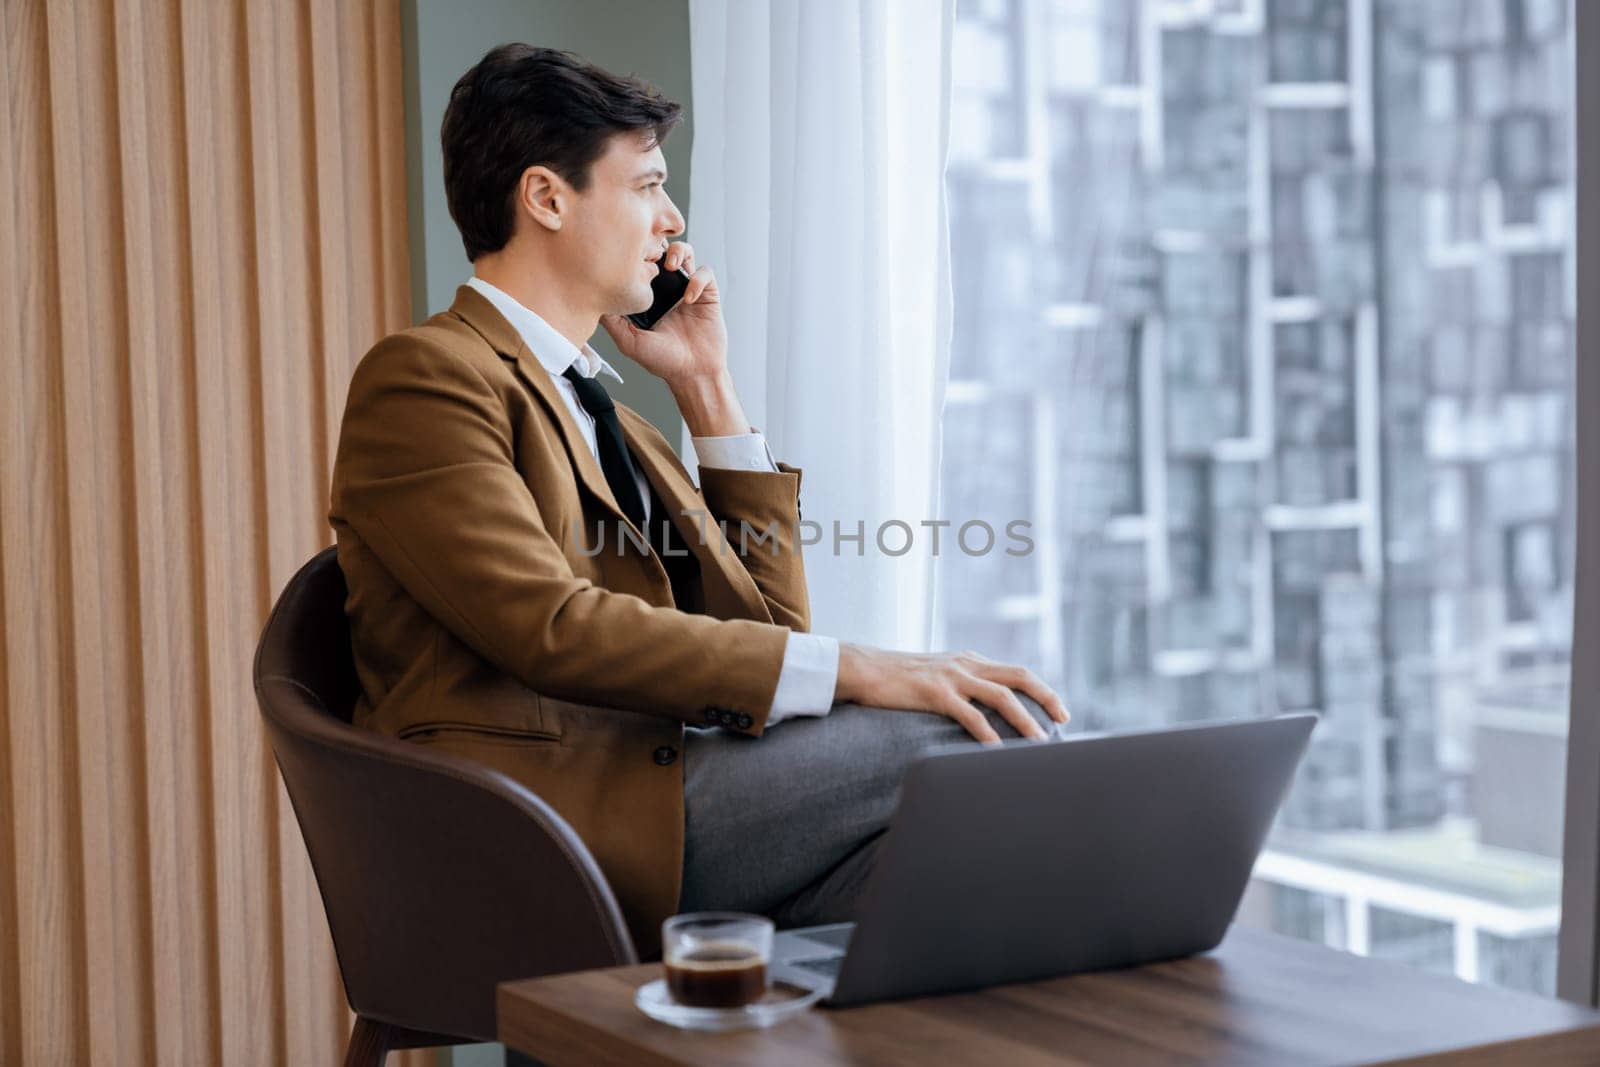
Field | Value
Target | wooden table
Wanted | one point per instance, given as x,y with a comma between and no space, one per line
1258,999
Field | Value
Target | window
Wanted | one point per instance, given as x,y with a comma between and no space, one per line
1266,309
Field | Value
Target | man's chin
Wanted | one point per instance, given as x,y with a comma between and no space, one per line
632,304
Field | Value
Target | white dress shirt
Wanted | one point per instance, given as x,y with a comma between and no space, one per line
810,661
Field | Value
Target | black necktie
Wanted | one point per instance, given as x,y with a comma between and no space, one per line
612,446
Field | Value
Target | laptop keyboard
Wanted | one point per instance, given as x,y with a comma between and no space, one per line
837,936
827,966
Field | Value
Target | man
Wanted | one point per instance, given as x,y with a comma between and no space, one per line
480,464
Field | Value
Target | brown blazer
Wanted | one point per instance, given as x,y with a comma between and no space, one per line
466,506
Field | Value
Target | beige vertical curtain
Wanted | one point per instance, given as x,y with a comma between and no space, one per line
203,230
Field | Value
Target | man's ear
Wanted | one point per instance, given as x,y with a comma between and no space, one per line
544,197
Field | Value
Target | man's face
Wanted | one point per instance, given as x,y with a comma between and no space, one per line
621,223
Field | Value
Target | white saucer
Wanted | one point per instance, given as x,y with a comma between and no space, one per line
781,1002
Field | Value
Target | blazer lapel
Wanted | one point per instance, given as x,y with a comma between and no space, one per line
473,307
729,589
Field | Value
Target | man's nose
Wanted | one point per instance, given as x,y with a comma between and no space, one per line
673,223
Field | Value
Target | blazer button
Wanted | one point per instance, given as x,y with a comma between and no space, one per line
665,755
744,722
711,715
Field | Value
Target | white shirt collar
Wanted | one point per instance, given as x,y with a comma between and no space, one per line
553,351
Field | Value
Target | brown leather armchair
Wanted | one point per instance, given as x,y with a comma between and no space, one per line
440,878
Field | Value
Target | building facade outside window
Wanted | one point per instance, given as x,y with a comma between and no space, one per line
1266,308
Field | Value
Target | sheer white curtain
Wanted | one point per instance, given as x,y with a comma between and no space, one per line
817,194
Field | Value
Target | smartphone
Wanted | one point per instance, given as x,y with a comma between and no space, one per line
669,287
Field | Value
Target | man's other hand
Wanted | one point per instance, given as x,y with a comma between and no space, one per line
945,683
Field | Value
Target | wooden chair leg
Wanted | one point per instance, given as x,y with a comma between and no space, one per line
369,1043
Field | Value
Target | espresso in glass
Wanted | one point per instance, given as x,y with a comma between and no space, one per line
716,959
718,974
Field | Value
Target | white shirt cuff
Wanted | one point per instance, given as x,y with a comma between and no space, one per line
807,679
738,452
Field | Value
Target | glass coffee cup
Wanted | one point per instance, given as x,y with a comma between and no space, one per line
717,959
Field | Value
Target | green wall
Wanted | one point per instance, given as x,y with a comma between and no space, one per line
442,38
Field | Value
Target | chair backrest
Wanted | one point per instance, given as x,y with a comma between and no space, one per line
440,877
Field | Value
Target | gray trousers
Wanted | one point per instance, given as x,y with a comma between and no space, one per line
787,824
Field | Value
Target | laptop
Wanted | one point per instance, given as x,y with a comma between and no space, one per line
1038,859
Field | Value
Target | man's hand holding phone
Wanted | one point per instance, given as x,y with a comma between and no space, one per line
688,349
690,340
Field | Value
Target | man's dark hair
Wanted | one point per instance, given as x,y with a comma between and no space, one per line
521,106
